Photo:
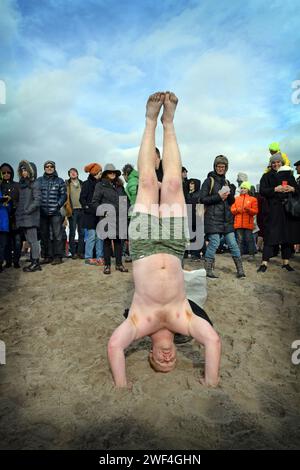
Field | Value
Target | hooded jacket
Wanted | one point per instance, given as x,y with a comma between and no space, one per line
28,209
132,186
218,217
10,187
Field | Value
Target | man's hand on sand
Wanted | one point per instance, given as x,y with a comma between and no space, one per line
153,106
170,104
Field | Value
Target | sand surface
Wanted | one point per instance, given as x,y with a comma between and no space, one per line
56,390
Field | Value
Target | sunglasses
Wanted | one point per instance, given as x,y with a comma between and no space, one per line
6,172
49,166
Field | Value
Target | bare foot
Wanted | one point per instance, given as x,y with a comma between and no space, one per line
208,384
170,104
154,104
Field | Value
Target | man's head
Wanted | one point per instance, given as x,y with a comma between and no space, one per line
126,170
157,158
297,165
276,161
184,173
274,147
73,173
221,165
49,167
162,356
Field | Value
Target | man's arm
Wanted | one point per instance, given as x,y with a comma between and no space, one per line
121,338
205,334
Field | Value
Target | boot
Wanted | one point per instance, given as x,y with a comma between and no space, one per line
209,266
239,267
35,266
1,267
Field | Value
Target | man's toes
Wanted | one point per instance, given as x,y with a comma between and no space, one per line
173,98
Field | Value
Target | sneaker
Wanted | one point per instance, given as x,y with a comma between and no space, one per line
100,262
91,261
262,268
287,267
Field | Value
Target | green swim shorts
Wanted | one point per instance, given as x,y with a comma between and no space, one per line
149,235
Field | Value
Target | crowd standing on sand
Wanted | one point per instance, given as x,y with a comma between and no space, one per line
35,213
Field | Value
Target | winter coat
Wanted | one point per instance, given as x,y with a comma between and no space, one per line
28,209
218,217
244,209
11,188
89,219
4,215
54,194
108,193
279,227
192,199
132,186
68,203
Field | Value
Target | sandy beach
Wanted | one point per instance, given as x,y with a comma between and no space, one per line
57,390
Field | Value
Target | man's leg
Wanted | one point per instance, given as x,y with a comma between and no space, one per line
147,197
171,187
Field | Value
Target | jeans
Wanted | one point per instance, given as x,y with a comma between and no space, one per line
245,236
92,241
55,222
76,222
31,237
214,242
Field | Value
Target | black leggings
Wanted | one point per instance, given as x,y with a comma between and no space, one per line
268,251
107,251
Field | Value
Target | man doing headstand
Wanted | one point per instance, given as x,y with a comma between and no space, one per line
157,243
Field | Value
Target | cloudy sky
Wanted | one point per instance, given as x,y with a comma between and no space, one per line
77,75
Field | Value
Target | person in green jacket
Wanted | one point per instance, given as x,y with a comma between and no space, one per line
131,177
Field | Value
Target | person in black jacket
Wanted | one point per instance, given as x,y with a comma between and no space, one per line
54,195
192,198
89,219
279,228
113,200
10,188
217,194
28,211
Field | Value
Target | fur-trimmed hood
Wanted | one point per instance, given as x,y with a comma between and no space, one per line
30,167
221,159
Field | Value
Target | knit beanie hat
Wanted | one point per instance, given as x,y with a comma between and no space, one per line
274,147
49,162
93,168
246,185
276,157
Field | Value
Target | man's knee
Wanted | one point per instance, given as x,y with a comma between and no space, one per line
172,185
213,338
148,182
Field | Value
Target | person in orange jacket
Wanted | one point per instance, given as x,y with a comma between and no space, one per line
244,209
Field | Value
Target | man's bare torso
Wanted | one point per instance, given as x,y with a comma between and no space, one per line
159,299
